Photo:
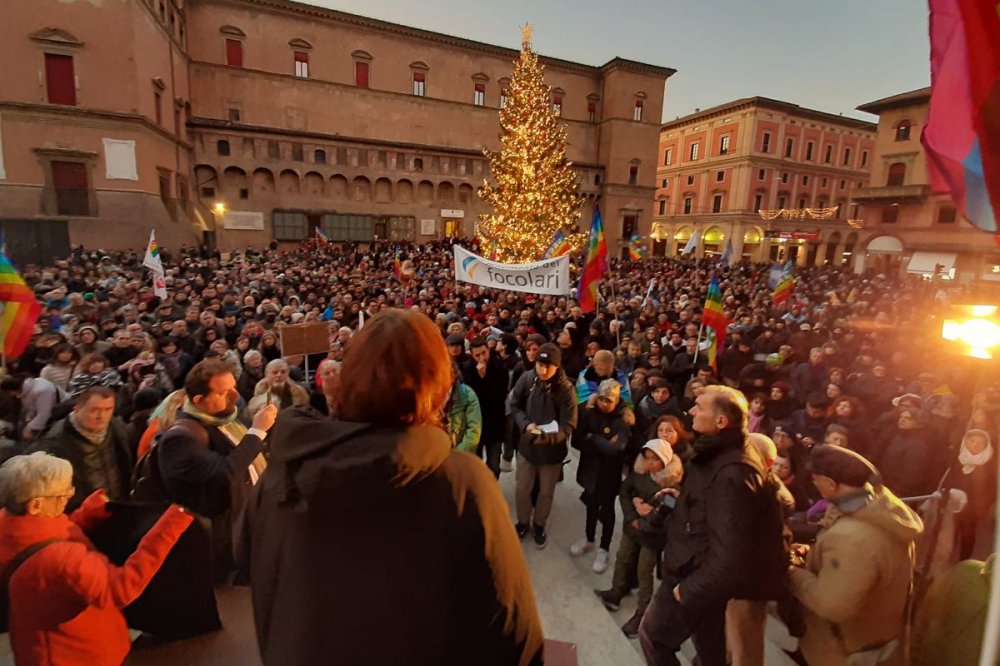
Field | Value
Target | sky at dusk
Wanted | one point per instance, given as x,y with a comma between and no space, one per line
830,55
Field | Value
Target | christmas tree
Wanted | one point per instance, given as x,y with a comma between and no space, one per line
534,194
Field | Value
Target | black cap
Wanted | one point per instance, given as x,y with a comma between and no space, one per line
549,354
455,339
842,465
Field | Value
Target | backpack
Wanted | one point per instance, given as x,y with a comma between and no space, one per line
18,560
147,480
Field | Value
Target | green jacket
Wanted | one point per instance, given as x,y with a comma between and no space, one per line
465,419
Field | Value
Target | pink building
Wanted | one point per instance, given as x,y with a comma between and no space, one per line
772,178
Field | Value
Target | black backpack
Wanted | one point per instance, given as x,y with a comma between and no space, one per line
147,480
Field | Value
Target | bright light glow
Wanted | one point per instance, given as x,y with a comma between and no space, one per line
220,208
980,335
983,310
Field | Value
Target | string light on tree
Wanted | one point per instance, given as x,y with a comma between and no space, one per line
534,193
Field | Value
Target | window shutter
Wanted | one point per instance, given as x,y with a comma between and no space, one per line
234,53
60,79
69,175
361,74
481,87
418,77
301,56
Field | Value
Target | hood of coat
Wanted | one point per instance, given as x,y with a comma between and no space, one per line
887,513
320,451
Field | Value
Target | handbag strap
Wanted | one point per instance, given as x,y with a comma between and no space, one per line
23,556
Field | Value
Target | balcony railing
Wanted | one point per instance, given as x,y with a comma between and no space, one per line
891,193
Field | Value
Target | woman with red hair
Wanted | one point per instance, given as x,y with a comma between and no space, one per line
377,511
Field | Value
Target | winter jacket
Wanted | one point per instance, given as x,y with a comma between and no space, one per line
66,598
906,463
856,580
638,483
491,391
464,418
725,533
535,401
38,399
807,379
107,467
588,382
426,553
602,439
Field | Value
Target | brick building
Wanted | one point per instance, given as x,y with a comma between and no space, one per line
719,168
242,121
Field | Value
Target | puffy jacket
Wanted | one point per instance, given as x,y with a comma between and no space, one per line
464,417
66,598
539,402
588,382
725,534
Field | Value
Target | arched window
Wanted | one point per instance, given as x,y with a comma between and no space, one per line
319,156
897,174
903,130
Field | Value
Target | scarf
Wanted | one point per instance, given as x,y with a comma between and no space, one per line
971,461
233,429
95,438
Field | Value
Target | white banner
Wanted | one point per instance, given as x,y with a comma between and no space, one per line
550,276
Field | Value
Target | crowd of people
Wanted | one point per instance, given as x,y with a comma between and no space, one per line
835,454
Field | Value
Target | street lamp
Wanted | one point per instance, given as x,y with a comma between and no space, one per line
219,208
978,331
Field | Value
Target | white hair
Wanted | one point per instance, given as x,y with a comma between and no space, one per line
252,354
23,478
276,363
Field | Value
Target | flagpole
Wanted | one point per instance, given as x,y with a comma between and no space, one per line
697,347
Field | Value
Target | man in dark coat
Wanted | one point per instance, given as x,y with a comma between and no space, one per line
95,443
541,398
448,584
488,378
724,534
208,459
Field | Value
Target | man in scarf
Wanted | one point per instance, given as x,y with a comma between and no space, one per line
208,459
95,444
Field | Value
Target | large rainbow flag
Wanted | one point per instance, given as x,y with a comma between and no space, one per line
962,135
636,248
786,286
322,238
713,318
594,265
20,310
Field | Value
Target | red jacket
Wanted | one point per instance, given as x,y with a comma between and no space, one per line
65,599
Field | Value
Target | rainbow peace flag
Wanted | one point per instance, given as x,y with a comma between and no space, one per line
595,264
321,237
962,135
713,318
559,246
636,250
397,268
785,287
20,310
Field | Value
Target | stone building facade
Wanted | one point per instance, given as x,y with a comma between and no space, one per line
241,121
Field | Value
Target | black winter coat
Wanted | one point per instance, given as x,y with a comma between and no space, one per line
538,402
725,535
491,391
413,538
602,439
109,467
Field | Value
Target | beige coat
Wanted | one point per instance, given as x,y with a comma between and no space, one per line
857,579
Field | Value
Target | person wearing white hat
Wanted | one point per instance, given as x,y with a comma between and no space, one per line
643,536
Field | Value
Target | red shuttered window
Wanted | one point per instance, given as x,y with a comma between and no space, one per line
60,79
